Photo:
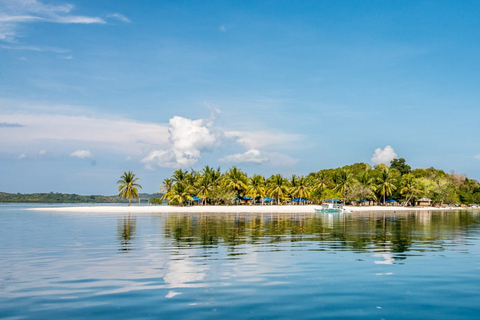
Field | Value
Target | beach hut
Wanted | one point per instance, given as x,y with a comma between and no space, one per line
423,202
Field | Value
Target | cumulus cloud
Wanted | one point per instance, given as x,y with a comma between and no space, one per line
29,126
188,139
251,156
16,12
82,154
384,155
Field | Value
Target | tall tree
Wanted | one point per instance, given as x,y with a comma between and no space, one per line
128,186
401,165
385,184
409,187
343,180
256,187
277,187
235,180
300,187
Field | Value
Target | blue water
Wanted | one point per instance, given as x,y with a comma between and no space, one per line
237,266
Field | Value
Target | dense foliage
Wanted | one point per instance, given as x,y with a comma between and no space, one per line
354,184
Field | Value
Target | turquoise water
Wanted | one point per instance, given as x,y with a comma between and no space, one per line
237,266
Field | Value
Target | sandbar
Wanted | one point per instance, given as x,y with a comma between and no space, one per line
226,209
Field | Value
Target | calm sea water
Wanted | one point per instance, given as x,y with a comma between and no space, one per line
239,266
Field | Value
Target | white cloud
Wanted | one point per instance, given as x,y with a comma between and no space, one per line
384,155
188,139
118,16
259,139
28,126
477,156
42,152
252,156
82,154
17,12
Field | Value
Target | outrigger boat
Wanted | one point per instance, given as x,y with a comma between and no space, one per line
332,206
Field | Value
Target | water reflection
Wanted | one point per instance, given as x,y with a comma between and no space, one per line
126,229
389,236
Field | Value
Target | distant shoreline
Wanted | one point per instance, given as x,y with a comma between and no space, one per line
227,209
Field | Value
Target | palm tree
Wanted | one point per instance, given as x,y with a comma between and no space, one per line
256,187
277,187
367,186
409,187
385,184
235,180
300,187
128,186
166,188
343,180
204,186
180,193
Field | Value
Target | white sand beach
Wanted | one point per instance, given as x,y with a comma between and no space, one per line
225,209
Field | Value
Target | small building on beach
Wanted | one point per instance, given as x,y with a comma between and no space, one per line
423,202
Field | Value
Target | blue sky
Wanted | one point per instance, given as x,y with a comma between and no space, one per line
89,89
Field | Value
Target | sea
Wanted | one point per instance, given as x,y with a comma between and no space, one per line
370,265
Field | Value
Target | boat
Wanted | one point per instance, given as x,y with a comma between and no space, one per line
332,206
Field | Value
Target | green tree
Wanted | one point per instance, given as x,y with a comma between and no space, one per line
277,187
385,184
128,188
400,165
256,187
235,180
343,180
409,187
300,187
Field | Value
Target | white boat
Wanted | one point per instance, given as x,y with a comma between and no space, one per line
331,207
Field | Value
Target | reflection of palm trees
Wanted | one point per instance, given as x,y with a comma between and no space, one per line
364,232
126,229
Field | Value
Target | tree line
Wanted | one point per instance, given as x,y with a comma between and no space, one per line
56,198
352,184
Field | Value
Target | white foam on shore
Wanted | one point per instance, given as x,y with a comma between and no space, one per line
225,209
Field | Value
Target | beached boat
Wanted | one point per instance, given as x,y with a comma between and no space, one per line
332,207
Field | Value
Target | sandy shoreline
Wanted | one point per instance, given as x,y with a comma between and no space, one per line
225,209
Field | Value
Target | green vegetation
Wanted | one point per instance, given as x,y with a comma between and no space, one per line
56,198
128,186
353,184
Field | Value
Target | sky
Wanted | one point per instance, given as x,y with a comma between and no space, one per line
90,89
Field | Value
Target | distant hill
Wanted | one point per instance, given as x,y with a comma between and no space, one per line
67,198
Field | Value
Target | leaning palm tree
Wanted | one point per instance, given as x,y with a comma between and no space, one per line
166,188
409,187
128,186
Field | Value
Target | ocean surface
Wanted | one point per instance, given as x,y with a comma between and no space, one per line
416,265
